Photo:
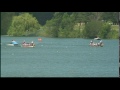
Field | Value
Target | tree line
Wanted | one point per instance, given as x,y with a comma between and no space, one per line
60,24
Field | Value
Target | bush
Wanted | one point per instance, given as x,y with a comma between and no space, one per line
113,34
92,29
24,24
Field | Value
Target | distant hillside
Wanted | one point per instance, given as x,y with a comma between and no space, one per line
42,17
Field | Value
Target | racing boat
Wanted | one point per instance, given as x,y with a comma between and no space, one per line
95,43
27,45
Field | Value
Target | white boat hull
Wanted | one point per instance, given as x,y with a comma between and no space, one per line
95,44
97,38
28,45
12,44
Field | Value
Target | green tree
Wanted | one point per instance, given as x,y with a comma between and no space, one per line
92,29
66,26
113,34
24,24
79,24
110,16
6,18
106,27
52,26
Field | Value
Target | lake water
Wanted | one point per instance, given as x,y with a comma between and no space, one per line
59,57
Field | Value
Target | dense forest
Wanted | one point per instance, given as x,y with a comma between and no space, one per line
60,24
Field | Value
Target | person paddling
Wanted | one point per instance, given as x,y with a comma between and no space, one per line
100,42
14,42
32,43
24,42
91,42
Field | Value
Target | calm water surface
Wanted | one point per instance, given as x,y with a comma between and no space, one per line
59,57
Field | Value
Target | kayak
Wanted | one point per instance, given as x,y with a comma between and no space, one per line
12,45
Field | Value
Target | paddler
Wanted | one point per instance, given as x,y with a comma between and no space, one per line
14,42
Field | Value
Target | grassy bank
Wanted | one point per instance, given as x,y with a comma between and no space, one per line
115,27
